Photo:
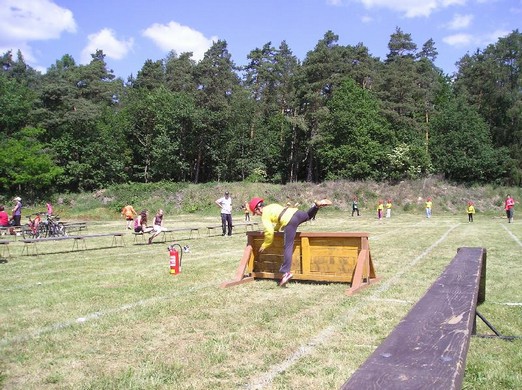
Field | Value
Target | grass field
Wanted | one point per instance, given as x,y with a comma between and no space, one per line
114,318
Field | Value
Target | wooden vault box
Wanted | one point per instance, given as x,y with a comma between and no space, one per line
324,257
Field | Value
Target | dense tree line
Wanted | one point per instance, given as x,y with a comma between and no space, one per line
338,114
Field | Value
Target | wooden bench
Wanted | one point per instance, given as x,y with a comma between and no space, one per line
117,239
191,230
32,242
165,232
18,230
163,235
318,256
428,349
74,226
210,229
247,225
5,248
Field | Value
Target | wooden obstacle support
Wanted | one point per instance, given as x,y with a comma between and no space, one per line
428,349
324,257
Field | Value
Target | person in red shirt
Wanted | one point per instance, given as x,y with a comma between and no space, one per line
509,206
4,217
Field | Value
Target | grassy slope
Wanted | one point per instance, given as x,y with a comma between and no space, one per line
407,196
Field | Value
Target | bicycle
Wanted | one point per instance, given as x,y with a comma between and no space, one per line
53,226
34,228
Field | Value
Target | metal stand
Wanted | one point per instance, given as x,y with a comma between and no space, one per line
490,326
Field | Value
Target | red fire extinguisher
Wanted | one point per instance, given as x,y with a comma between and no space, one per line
175,259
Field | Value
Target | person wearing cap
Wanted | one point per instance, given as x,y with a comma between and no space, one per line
225,204
275,217
17,211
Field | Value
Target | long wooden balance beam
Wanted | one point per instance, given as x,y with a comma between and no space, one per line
428,349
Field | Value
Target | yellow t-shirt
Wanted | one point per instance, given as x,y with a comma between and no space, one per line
272,223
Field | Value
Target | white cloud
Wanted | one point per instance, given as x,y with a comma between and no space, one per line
481,40
105,40
174,36
458,40
366,19
411,8
26,21
460,22
33,20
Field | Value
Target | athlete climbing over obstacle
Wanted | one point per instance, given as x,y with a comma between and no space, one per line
275,217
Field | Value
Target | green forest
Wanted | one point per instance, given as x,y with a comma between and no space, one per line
340,113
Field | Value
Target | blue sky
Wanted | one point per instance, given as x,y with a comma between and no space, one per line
132,31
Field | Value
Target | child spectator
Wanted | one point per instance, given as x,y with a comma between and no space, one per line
355,206
129,214
380,208
140,223
428,205
470,210
509,206
157,225
388,208
246,210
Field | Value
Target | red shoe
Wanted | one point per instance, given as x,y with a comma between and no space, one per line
286,277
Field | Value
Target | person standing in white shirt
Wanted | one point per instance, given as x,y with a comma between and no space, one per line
225,204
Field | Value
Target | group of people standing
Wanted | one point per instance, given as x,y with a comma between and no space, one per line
509,206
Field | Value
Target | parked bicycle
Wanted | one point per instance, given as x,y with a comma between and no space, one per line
34,228
38,228
54,228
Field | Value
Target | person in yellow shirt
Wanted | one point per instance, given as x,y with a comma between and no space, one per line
470,209
246,210
388,208
380,208
275,217
129,214
428,205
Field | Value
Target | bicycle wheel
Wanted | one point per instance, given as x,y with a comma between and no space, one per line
61,229
26,231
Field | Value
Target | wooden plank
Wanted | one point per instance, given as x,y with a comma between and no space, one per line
427,350
240,272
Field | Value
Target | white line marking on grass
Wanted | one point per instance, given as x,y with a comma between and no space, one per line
96,315
512,235
400,301
266,379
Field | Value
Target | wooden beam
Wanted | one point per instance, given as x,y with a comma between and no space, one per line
428,349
